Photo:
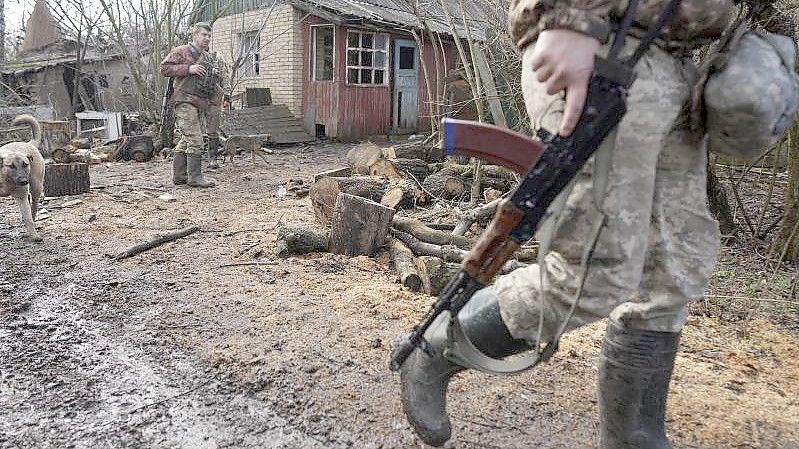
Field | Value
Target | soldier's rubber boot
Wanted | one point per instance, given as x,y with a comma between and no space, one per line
195,171
634,374
179,175
424,378
213,152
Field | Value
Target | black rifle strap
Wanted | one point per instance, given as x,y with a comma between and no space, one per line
621,32
653,32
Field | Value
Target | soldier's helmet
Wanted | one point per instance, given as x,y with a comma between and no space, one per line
752,100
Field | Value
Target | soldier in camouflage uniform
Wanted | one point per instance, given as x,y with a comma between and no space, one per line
197,82
656,250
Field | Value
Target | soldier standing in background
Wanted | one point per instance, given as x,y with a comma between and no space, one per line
197,81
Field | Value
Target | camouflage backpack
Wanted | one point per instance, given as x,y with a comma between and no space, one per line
752,95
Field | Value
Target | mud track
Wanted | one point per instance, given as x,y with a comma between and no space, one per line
172,349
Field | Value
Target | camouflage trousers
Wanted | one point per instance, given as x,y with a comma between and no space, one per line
659,244
188,120
193,123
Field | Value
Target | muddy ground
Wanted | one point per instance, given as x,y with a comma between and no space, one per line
171,348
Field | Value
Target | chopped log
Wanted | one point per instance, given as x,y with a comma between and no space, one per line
292,240
493,176
156,241
526,254
342,172
403,194
325,190
402,257
425,234
410,150
478,213
358,225
362,156
435,273
449,253
66,179
400,168
441,184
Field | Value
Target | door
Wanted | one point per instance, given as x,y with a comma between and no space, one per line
406,82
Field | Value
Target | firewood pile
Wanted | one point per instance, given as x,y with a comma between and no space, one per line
405,200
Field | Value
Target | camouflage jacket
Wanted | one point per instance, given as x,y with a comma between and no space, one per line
695,19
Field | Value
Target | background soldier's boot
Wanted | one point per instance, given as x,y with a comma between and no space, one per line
213,152
179,175
634,374
424,378
195,171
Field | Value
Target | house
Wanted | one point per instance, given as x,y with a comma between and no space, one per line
347,68
44,72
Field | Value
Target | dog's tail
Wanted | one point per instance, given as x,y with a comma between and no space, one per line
36,128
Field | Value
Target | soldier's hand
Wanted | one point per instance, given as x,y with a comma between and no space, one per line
563,60
197,69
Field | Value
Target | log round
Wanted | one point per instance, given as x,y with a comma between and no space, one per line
325,190
358,225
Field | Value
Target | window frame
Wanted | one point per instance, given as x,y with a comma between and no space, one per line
386,65
251,60
312,57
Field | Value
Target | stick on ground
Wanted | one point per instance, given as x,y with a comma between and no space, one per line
156,241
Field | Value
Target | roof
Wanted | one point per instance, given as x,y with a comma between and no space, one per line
381,13
400,13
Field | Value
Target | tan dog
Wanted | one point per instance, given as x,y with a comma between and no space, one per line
231,145
22,173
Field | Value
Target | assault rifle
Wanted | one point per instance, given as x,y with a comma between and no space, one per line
169,89
550,164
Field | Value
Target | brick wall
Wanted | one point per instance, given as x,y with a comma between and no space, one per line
281,56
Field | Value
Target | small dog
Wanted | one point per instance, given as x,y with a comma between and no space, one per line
231,145
22,173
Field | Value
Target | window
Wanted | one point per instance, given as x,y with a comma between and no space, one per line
322,53
367,59
250,51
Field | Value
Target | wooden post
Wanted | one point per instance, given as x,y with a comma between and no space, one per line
66,179
358,226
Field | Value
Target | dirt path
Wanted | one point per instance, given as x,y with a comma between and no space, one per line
168,349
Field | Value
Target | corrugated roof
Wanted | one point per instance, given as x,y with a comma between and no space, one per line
401,14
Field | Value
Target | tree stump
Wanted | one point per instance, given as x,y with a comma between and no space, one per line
435,273
324,192
66,179
358,225
292,240
402,257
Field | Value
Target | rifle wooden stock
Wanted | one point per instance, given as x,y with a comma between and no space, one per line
495,246
490,143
